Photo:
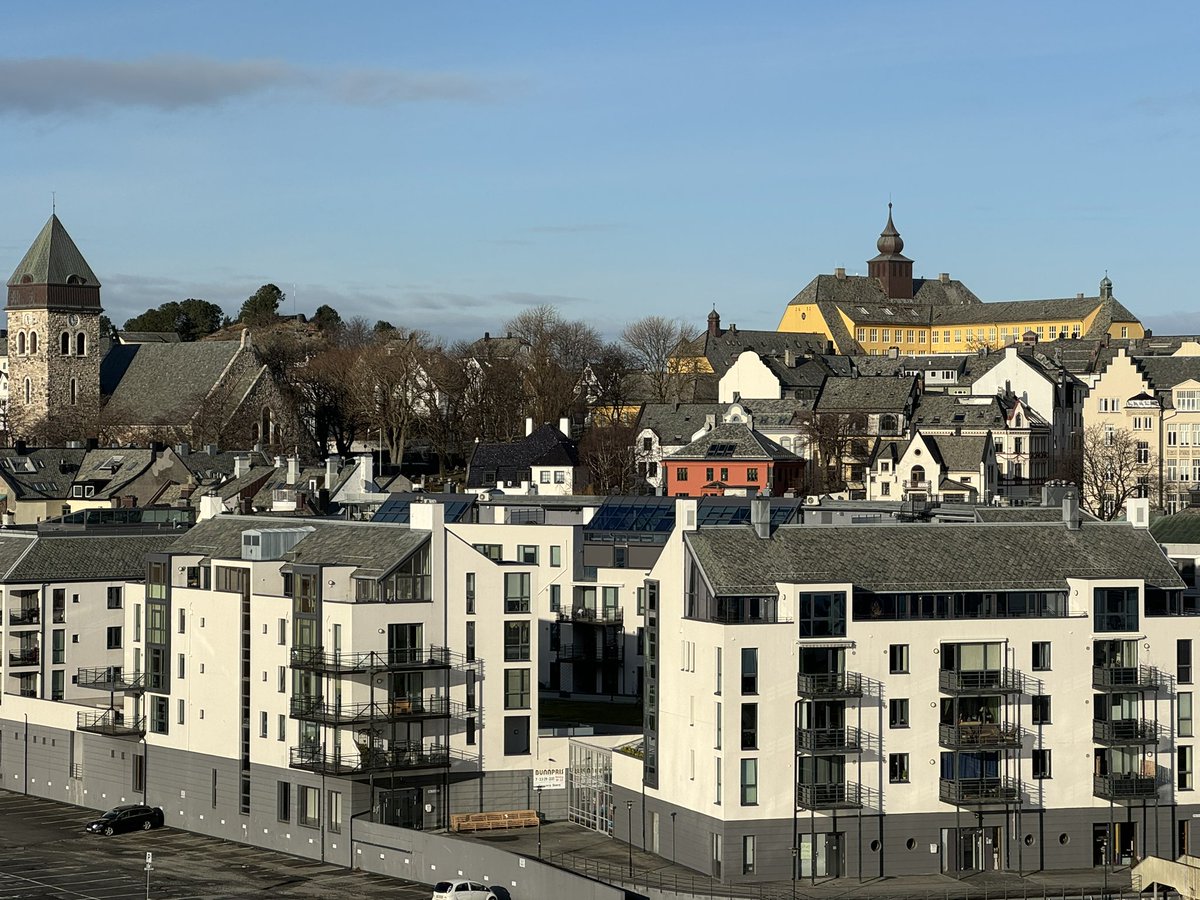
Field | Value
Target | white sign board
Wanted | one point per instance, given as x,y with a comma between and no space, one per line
550,778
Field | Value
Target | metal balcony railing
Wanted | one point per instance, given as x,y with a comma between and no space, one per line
315,709
1126,678
987,681
111,678
24,616
367,760
111,722
1125,787
24,657
318,660
1125,731
829,684
841,795
979,791
981,736
845,739
586,615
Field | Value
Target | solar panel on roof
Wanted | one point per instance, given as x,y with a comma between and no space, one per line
655,515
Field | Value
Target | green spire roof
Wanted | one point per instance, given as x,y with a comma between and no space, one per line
54,259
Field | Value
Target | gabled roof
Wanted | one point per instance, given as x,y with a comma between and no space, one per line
92,558
1181,528
513,462
867,394
42,474
675,423
53,259
723,348
947,411
133,375
863,290
958,452
115,466
732,441
917,557
1164,372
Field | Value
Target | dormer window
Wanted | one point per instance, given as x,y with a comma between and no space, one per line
76,279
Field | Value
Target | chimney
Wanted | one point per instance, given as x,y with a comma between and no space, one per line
332,464
211,449
686,513
293,469
732,328
183,449
1071,517
91,443
760,515
186,491
19,446
893,352
528,426
1137,512
10,518
1079,295
840,273
280,461
487,336
564,425
246,339
241,465
789,357
366,473
944,277
210,505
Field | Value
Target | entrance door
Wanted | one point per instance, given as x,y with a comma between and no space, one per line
402,808
1125,843
1100,844
821,855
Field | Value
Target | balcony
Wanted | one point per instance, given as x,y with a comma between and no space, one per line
917,485
1125,787
27,616
828,740
367,760
979,791
587,616
1126,678
845,795
829,685
111,679
399,709
111,722
981,736
317,660
988,681
1124,731
25,657
612,652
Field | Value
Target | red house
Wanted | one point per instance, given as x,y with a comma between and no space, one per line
734,459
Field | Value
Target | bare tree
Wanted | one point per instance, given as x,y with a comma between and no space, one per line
1116,467
557,352
610,455
834,439
654,344
396,388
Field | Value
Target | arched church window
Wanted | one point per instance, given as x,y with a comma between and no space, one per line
265,430
74,391
28,391
33,343
81,344
64,342
21,343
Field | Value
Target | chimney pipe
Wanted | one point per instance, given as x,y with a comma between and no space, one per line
293,469
760,515
332,464
944,277
840,273
1071,516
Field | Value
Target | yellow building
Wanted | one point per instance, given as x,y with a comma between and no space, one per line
889,308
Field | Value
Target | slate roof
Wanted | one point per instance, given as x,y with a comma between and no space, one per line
133,377
742,443
373,549
675,423
131,463
12,545
1181,528
866,394
863,290
958,452
512,462
775,413
723,348
1164,372
91,558
884,365
148,337
917,557
1021,514
219,537
947,411
41,474
1022,311
53,258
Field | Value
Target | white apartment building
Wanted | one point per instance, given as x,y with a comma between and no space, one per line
913,698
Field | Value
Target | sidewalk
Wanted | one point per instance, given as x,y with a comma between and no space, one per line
599,856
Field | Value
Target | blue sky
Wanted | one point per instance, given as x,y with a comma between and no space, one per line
443,165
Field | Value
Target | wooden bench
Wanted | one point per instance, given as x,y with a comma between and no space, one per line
490,821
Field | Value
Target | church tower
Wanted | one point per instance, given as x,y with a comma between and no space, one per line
893,269
53,341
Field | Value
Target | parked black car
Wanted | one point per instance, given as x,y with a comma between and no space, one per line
130,817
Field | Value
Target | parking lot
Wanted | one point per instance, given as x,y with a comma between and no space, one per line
45,854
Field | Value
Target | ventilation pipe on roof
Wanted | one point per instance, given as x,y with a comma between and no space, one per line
1071,515
293,469
760,515
241,465
564,425
332,464
528,426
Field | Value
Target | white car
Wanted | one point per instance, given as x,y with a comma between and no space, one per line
462,890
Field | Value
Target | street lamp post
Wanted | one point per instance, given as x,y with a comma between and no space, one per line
539,795
795,857
629,816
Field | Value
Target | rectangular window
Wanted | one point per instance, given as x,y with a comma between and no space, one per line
555,598
139,773
748,848
283,630
898,768
516,735
749,670
181,668
470,731
749,782
114,598
281,680
114,637
898,713
335,812
1041,709
470,648
717,781
1041,764
214,789
281,734
1185,713
681,473
749,726
527,554
516,592
310,807
555,556
887,334
752,474
283,801
137,622
1041,656
516,641
1183,660
1184,767
544,476
262,724
860,335
718,672
158,715
874,335
898,659
182,621
58,648
1115,609
822,614
470,592
58,684
516,689
471,676
180,709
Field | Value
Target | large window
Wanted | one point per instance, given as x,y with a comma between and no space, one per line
516,689
1041,656
516,641
516,592
898,713
822,614
159,712
749,726
898,659
1115,609
310,807
898,768
749,782
1041,709
749,670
